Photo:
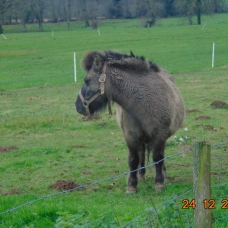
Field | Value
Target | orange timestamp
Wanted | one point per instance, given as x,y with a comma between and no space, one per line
208,204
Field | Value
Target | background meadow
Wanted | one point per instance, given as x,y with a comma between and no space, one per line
44,140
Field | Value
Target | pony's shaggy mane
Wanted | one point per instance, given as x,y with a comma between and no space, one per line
120,60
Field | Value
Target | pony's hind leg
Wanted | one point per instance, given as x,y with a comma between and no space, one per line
164,171
158,155
142,171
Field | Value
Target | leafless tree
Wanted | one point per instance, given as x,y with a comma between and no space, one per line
90,10
38,7
198,11
5,6
151,10
68,13
220,6
23,11
186,7
83,12
197,7
54,8
129,8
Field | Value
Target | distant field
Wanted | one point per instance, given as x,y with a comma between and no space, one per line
36,59
44,140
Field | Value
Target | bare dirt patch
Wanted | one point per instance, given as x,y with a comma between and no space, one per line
179,165
87,173
64,185
12,192
192,110
207,127
4,149
102,124
185,147
92,117
79,146
218,104
203,118
35,98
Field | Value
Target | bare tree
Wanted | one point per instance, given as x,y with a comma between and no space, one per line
9,15
38,7
62,10
5,5
68,13
186,7
129,8
23,11
54,7
169,9
198,11
115,9
196,7
151,10
84,12
90,10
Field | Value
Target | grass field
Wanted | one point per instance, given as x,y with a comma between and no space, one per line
44,140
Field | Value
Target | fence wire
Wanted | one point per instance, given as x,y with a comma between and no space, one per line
81,187
154,210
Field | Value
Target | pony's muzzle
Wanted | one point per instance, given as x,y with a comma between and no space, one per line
85,103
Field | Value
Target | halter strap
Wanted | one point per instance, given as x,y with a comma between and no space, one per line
86,103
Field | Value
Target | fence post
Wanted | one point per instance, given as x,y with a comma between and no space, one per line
202,184
75,68
213,55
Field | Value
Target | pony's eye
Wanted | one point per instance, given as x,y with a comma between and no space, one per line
86,81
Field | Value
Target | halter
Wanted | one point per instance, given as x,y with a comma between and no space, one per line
100,92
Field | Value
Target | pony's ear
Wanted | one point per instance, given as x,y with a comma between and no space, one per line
97,63
131,54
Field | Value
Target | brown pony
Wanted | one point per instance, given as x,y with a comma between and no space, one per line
149,110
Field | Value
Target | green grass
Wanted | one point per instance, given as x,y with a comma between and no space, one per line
37,115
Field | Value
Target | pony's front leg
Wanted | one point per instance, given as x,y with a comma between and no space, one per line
133,162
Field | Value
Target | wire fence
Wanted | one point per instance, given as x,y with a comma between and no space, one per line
92,184
154,210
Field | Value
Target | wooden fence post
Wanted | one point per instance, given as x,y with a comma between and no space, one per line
202,184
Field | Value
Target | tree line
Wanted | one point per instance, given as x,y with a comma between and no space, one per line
30,11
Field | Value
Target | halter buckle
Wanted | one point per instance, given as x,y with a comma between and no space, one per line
102,78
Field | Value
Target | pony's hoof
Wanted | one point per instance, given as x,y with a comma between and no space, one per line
159,186
131,189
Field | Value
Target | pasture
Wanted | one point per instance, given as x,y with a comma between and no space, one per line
45,146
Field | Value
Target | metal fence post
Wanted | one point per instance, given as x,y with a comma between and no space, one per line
202,184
